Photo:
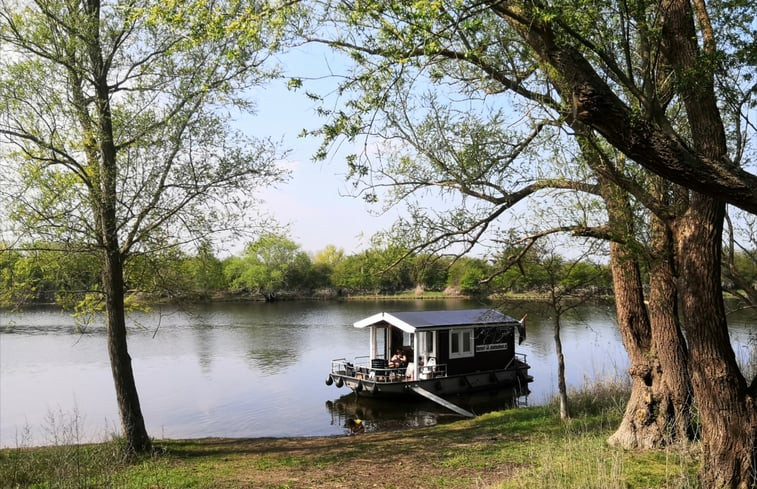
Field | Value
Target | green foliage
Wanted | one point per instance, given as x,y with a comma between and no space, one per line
205,269
271,264
468,274
388,270
537,270
523,276
431,272
177,170
47,272
324,264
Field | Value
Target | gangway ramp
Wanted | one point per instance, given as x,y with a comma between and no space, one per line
441,401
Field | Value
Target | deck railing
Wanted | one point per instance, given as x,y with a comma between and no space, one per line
432,371
363,367
377,370
521,357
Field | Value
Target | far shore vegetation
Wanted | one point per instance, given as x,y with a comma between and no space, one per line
519,448
273,267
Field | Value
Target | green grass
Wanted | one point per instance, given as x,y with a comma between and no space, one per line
514,449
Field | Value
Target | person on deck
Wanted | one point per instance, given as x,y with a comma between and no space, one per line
399,360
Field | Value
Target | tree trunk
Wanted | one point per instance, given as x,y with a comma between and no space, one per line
668,343
656,411
727,407
561,386
727,410
639,427
132,422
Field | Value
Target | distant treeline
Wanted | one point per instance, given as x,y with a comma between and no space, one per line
274,267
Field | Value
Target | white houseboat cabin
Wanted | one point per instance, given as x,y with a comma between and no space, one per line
442,352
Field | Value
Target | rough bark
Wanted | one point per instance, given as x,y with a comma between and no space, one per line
657,412
727,408
594,103
639,428
668,343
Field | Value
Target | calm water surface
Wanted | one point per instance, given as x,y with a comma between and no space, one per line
253,369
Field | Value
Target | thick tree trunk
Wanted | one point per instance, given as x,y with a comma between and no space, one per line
668,343
638,429
726,404
657,412
727,408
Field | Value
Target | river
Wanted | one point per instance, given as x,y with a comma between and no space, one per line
256,369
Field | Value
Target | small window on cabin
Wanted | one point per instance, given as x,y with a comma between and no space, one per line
493,339
461,343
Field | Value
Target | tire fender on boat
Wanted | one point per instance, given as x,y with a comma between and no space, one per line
339,382
329,380
359,386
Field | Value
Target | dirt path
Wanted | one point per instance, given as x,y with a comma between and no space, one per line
459,458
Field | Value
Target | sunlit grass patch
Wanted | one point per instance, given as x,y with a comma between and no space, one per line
516,448
271,462
157,472
671,468
585,461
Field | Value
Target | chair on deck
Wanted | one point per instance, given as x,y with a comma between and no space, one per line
379,369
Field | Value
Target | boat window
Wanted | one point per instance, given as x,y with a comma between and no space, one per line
426,344
493,339
461,343
407,338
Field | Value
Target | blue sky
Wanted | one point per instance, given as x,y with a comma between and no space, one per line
315,200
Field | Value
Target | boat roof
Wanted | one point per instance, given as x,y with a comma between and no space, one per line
413,321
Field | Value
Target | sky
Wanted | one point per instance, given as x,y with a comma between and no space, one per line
315,200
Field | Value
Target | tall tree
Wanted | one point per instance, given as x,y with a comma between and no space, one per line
113,140
632,74
658,411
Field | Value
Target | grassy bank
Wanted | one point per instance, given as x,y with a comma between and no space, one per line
513,449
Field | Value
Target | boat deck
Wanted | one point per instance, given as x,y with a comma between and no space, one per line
377,370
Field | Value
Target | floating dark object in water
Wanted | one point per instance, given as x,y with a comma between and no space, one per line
355,426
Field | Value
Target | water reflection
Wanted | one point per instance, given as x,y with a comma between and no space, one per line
253,369
410,412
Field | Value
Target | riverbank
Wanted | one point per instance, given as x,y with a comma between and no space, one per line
516,449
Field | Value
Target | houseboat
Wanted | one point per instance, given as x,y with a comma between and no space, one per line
433,353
